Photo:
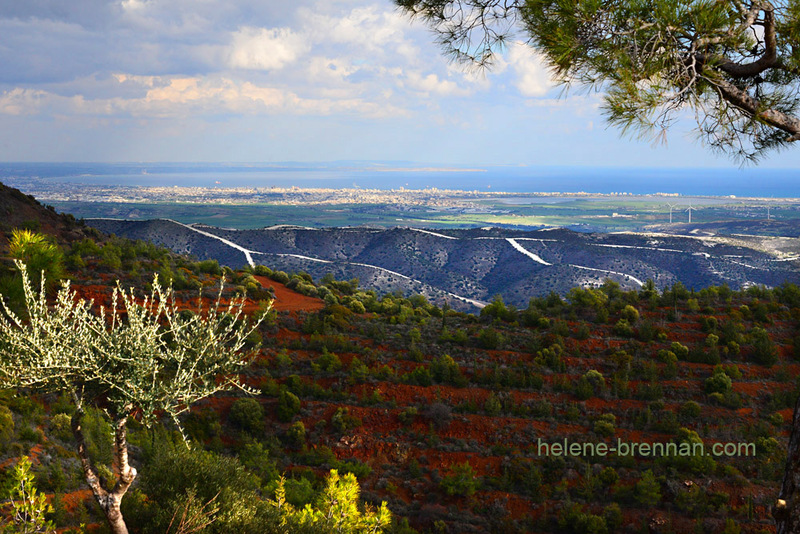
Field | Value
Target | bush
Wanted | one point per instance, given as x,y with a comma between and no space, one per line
177,474
591,383
60,426
280,277
461,481
342,421
439,414
623,328
445,370
630,314
719,382
6,426
489,338
689,410
764,350
248,415
647,491
296,434
288,405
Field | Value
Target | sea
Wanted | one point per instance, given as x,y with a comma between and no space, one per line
719,182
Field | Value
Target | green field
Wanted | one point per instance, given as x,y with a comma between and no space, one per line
595,214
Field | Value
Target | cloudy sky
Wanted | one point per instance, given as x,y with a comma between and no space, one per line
280,80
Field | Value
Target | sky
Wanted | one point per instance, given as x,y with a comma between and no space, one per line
299,80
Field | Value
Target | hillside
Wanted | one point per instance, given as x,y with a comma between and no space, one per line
450,417
480,263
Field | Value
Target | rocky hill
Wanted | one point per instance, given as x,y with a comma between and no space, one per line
469,267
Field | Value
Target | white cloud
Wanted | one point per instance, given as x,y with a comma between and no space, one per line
266,49
533,78
185,97
432,84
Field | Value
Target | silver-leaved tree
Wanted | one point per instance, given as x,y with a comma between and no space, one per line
140,358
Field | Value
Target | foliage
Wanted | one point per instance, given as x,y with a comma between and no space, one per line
119,352
28,506
462,481
288,405
719,382
336,510
647,490
39,254
764,350
248,414
735,64
175,474
137,358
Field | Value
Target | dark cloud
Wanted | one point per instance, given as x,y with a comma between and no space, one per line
93,14
46,41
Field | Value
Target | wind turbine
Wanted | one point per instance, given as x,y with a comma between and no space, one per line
689,209
671,207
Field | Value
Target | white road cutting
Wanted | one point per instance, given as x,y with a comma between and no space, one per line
433,233
528,253
247,253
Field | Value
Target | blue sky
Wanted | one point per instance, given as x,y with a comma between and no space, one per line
275,80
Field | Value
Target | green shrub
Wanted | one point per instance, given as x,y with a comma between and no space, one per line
296,434
719,382
248,415
647,491
174,474
623,328
630,314
61,426
288,405
462,481
489,338
765,352
6,426
689,410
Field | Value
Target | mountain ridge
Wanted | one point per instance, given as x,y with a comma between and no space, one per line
473,265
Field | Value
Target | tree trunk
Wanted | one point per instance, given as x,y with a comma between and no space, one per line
786,510
109,501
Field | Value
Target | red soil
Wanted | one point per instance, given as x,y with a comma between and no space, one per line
288,300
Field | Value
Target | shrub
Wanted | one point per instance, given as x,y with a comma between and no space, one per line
288,405
6,426
439,414
60,426
630,314
175,473
623,328
492,406
719,382
248,415
591,383
280,277
461,481
445,370
296,434
647,491
689,410
604,425
342,421
489,338
764,350
681,351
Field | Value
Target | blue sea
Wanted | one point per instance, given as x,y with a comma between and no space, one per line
748,182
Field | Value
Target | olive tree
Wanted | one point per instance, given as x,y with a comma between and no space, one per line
140,358
734,63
